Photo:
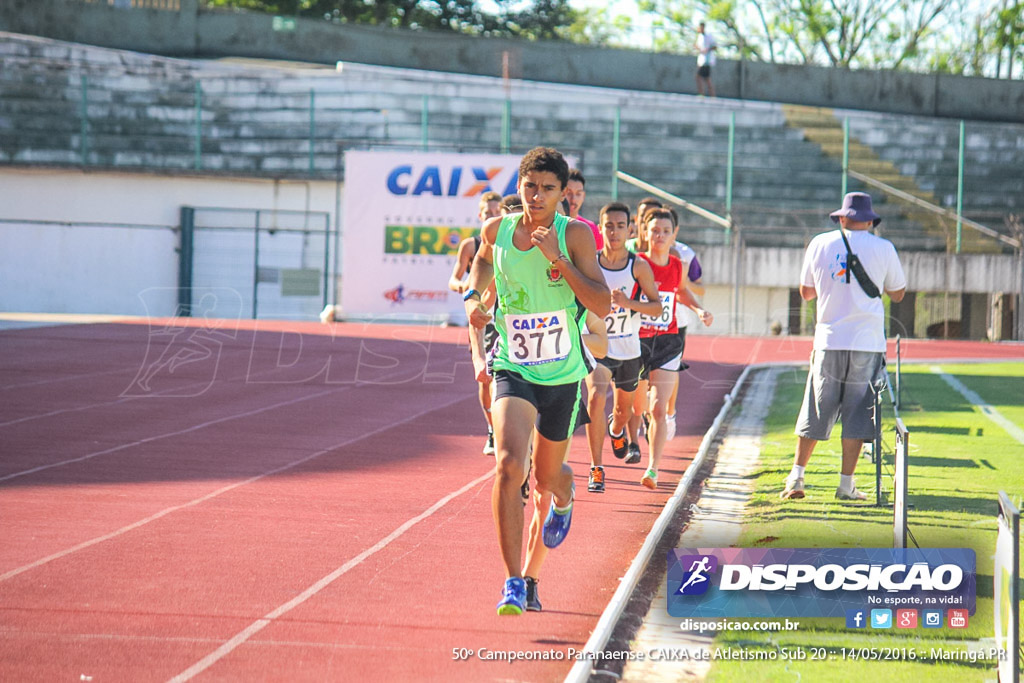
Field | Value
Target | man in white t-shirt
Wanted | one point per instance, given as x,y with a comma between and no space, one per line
706,47
849,338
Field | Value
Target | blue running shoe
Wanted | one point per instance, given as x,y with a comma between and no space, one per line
556,526
514,598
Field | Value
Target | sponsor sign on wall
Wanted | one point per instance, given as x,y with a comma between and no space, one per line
405,214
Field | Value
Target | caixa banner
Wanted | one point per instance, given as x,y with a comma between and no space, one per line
405,214
816,582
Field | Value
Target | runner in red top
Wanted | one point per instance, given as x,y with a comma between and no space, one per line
660,346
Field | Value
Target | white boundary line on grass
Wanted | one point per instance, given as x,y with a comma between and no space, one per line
583,668
990,412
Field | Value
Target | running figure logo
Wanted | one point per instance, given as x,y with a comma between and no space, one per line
183,353
697,578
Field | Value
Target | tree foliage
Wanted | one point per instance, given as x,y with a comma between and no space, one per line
970,37
537,20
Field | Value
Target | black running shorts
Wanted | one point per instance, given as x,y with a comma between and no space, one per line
662,352
491,340
625,373
561,408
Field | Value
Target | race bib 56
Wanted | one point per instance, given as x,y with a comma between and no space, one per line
663,321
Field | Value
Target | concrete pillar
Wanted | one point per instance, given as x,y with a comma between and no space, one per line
189,26
901,316
1000,326
973,316
795,306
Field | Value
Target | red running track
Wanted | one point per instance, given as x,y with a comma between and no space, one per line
281,501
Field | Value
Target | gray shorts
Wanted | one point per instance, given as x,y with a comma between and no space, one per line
839,386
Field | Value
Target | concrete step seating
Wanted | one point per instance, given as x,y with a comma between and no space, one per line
880,144
140,113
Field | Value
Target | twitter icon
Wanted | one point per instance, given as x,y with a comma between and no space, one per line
881,618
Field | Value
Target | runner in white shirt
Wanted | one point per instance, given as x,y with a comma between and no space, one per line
489,207
706,48
849,338
628,277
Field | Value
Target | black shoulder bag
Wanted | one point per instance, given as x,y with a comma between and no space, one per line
854,265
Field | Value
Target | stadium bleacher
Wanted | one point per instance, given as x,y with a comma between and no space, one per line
71,104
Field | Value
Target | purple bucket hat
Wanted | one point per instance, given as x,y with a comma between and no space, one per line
857,205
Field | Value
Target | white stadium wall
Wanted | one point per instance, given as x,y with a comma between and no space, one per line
107,243
759,307
86,269
94,242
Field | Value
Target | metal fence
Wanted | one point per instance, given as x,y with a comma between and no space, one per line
743,162
244,125
173,5
254,263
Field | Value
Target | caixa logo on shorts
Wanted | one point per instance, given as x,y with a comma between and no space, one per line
816,582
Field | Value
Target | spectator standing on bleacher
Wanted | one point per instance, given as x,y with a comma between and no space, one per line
849,337
706,47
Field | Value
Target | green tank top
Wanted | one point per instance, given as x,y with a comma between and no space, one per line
538,316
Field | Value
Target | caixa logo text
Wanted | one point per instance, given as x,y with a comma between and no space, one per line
455,181
538,323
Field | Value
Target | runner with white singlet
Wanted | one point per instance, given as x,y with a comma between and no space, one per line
457,282
627,277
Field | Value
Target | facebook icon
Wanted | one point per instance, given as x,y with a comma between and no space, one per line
856,618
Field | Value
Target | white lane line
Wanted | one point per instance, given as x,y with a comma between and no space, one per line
53,636
64,378
149,439
258,625
194,427
990,412
192,503
194,385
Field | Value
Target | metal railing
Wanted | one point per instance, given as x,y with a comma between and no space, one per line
171,5
239,124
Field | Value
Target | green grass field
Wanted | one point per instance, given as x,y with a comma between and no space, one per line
959,460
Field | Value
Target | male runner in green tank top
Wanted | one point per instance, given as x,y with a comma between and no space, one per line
544,266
